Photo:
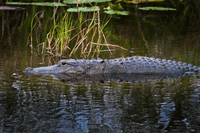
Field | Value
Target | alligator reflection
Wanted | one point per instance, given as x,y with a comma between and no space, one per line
131,78
45,105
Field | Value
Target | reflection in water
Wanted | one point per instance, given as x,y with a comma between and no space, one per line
42,104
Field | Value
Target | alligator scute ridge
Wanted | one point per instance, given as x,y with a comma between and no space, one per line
129,65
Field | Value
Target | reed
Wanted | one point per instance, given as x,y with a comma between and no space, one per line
58,38
86,32
79,30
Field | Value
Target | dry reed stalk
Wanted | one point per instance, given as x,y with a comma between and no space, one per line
66,44
111,45
76,35
100,51
106,42
77,43
91,41
84,36
49,40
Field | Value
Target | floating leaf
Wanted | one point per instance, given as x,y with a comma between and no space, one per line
110,12
11,8
37,4
84,9
116,12
139,1
156,8
122,12
83,1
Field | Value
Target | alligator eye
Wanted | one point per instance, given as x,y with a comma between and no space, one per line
102,61
63,63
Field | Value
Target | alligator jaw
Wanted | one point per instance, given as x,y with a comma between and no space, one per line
42,70
55,69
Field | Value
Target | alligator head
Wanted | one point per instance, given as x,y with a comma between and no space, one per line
63,66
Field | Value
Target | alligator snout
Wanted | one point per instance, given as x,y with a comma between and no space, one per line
28,69
66,69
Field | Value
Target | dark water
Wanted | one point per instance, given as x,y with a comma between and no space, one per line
45,104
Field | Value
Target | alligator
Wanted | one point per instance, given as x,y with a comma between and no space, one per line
128,65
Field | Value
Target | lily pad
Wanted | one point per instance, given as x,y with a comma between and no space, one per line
11,8
37,3
156,8
84,9
84,1
116,12
110,12
139,1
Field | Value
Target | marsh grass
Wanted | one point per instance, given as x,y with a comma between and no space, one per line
58,38
33,25
84,32
69,35
89,34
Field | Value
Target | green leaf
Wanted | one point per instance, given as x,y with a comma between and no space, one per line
84,9
110,12
37,4
122,12
116,12
156,8
83,1
140,1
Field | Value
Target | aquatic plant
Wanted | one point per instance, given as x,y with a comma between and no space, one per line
77,25
69,34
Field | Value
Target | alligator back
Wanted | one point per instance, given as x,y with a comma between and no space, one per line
146,65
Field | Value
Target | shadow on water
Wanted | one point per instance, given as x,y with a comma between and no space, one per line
42,103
